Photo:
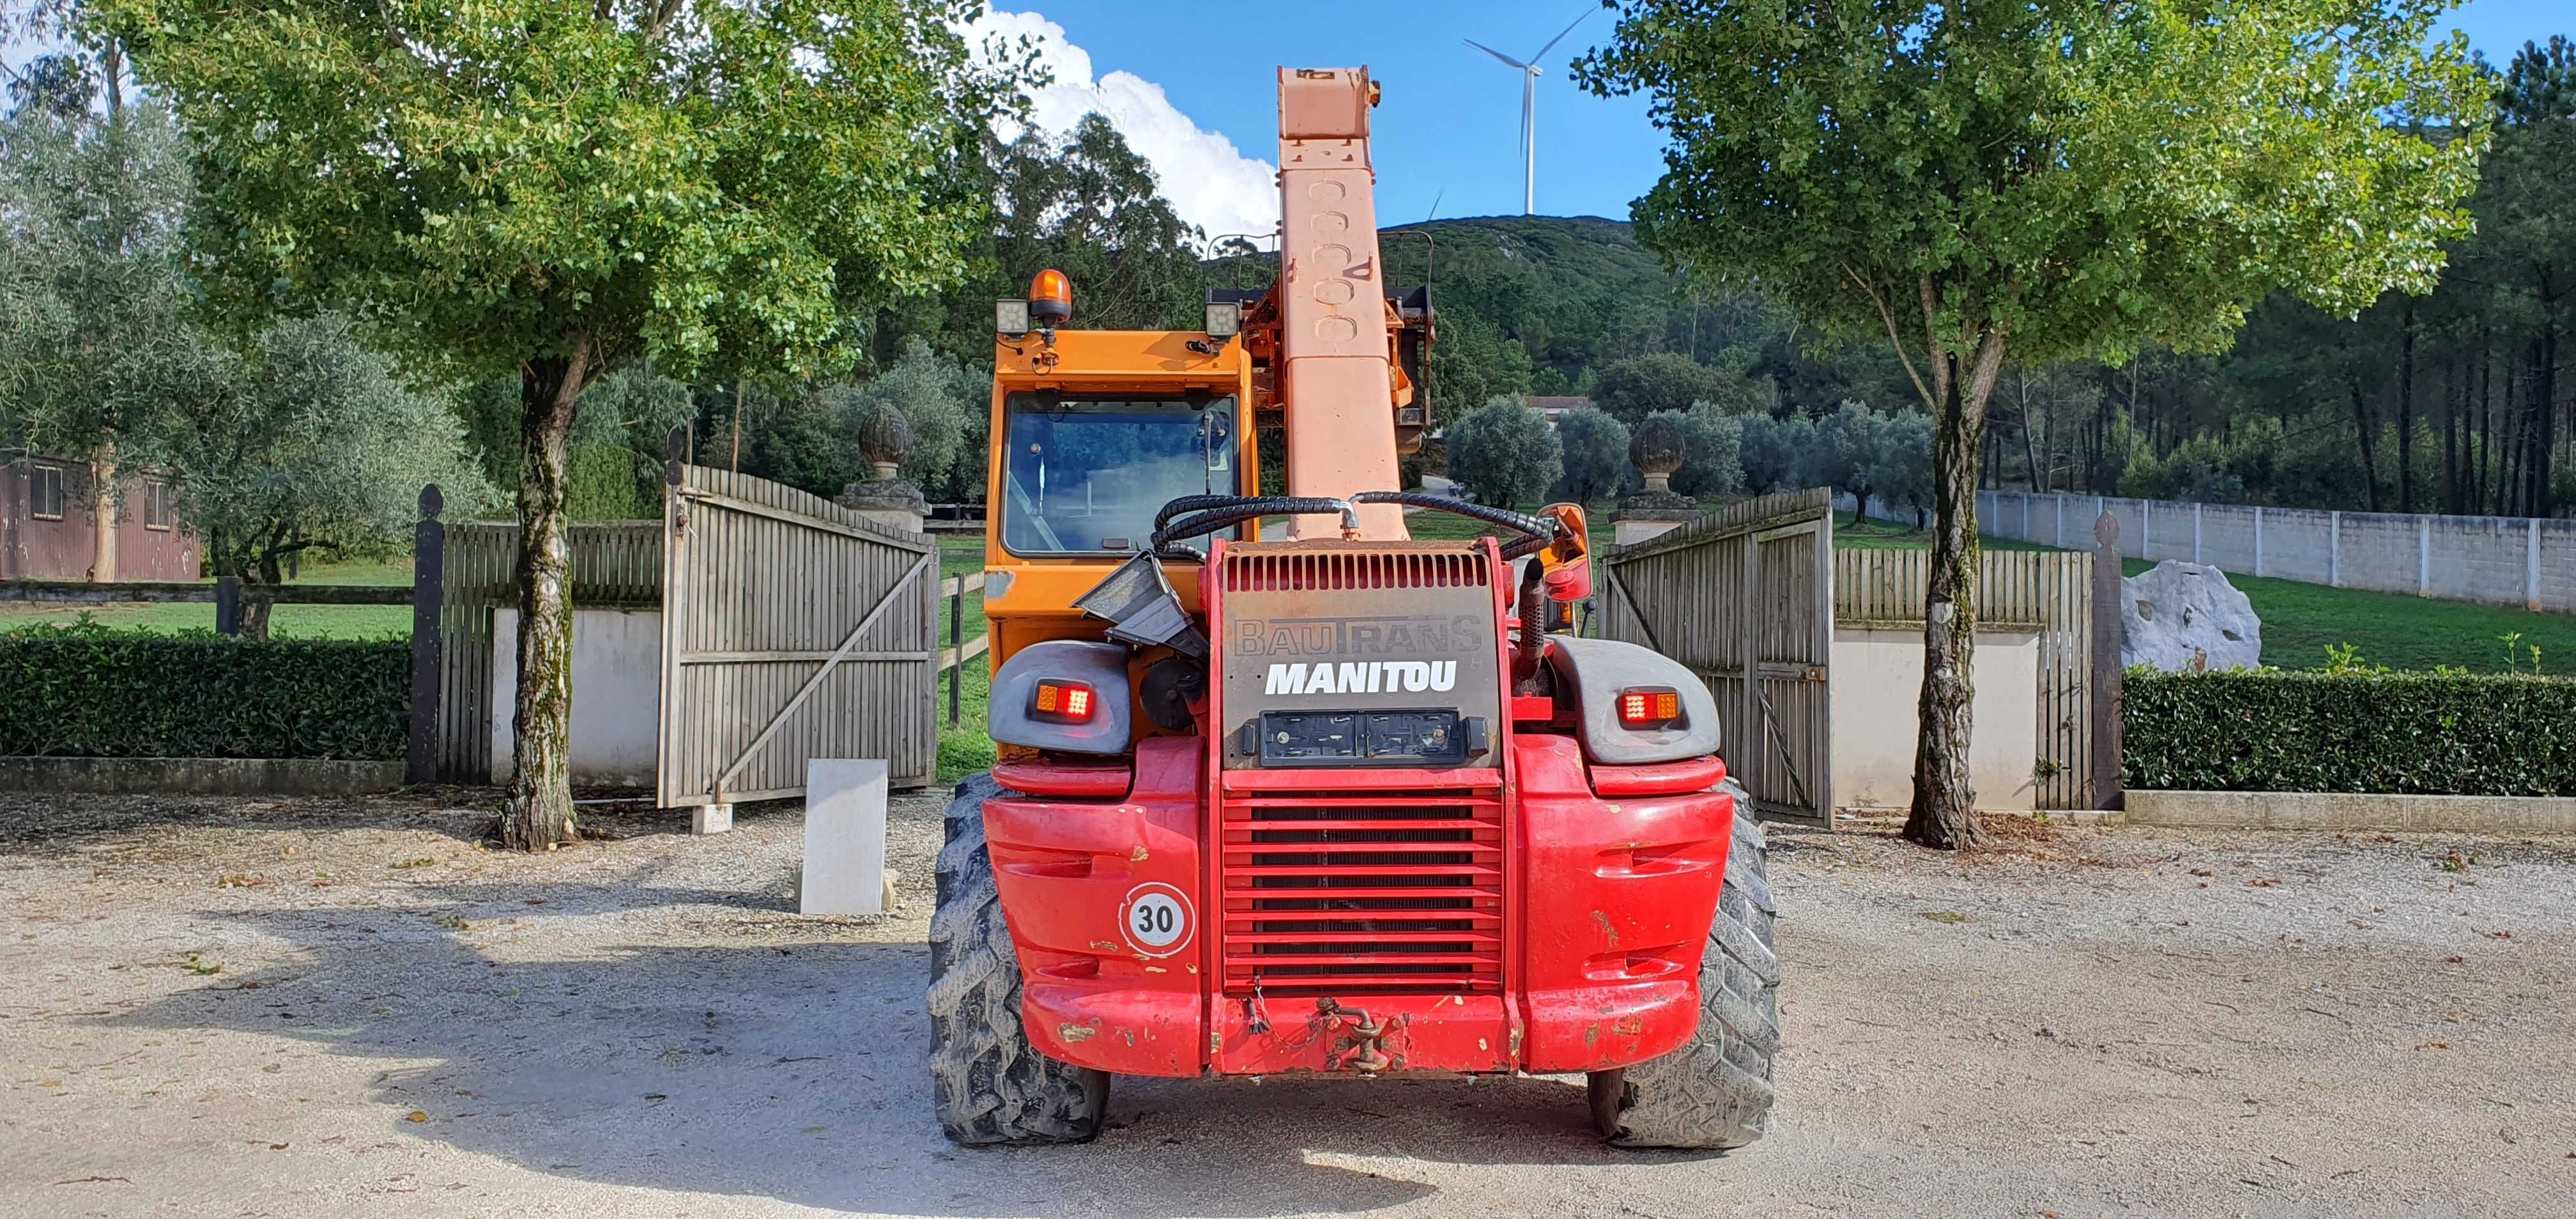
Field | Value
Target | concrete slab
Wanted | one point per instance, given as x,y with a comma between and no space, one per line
845,837
2351,811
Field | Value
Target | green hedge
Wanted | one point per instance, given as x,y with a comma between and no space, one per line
2406,733
91,692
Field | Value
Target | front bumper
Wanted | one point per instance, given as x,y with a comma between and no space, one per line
1608,910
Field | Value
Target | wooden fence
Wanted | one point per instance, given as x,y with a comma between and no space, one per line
2050,594
953,658
1742,597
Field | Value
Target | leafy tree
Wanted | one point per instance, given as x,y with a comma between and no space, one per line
2048,179
1715,438
1638,386
1776,452
309,441
1849,446
567,187
813,443
94,295
1593,451
1902,471
1084,203
1503,454
1471,363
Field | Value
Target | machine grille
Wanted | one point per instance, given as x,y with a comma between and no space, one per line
1387,891
1336,570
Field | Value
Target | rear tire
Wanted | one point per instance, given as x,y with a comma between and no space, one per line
988,1085
1715,1091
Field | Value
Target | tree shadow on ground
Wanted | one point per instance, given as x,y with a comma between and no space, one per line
794,1070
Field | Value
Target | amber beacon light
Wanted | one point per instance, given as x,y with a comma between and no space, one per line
1050,299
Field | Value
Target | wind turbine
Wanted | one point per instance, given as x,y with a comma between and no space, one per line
1530,72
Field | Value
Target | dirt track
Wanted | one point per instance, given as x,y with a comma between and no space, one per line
232,1008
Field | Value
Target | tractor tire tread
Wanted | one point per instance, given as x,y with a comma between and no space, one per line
989,1086
1715,1092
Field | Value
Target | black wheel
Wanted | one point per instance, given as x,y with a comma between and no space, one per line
1714,1092
988,1085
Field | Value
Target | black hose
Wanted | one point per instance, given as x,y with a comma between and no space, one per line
1543,527
1240,509
1192,503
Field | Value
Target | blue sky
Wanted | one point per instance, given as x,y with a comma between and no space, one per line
1191,85
1448,129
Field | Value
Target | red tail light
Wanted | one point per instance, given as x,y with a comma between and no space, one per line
1649,706
1069,702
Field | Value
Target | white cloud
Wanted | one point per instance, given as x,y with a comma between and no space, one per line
1210,182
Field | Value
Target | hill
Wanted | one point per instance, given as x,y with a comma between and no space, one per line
1541,304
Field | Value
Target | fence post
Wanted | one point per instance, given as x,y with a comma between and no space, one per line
2531,565
2106,662
957,646
2258,539
428,588
228,605
2423,556
2334,550
2195,531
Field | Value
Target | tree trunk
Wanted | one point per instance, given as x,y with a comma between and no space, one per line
2451,390
2406,411
2369,429
2546,378
1943,815
102,506
539,814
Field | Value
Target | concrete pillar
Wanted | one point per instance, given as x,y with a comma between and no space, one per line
711,819
2531,566
2334,550
2423,556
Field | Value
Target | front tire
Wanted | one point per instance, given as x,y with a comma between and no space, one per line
1715,1091
988,1085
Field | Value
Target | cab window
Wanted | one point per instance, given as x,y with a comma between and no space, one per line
1086,475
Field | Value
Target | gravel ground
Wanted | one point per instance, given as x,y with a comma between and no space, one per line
307,1008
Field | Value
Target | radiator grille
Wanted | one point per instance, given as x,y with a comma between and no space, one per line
1390,891
1329,570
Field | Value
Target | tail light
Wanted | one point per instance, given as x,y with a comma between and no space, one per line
1066,702
1649,706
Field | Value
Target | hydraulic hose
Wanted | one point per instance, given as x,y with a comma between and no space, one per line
1542,527
1235,511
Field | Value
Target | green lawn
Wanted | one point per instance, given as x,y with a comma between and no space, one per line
303,621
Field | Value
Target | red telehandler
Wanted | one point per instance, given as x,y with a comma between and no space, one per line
1337,802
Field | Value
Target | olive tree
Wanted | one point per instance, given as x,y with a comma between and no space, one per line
306,441
1502,452
1593,451
2044,179
561,188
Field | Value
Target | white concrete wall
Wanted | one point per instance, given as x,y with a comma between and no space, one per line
1877,677
616,695
2516,561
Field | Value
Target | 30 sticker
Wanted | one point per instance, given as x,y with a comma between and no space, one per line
1155,918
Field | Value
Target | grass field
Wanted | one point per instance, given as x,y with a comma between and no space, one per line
302,621
2301,620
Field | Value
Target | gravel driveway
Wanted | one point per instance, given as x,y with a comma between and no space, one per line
316,1008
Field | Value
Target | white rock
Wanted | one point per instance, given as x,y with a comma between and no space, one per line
2179,617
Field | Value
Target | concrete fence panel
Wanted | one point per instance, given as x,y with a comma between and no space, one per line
2514,561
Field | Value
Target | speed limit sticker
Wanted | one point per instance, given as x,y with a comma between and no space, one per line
1155,919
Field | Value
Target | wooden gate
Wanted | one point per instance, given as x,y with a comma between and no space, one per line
1745,597
792,628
